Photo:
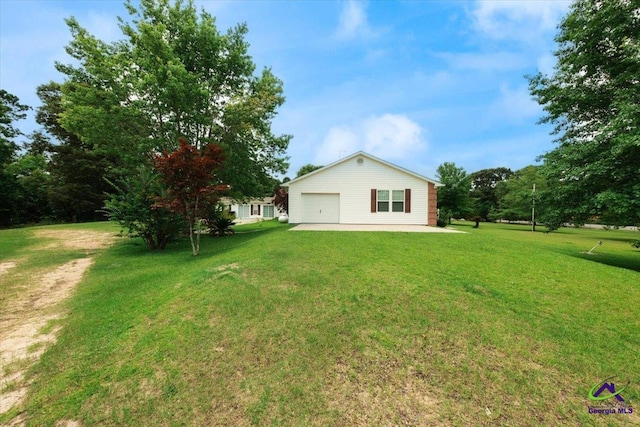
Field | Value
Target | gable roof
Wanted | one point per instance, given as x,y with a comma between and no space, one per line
369,156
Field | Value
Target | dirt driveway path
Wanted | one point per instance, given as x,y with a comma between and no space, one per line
26,321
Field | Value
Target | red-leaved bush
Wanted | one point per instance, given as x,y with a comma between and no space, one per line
189,175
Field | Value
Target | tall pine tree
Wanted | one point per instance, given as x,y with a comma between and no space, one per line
78,171
11,110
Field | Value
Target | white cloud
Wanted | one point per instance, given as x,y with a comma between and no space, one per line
339,142
518,20
353,22
390,136
514,106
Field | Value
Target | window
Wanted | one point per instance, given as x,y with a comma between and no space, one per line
397,201
267,211
255,210
243,211
383,200
391,200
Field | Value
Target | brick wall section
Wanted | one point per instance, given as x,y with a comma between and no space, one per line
432,194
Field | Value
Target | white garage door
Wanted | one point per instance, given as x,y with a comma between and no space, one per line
320,208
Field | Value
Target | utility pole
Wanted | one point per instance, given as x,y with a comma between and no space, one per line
533,208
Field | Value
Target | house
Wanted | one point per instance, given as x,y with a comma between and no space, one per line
253,210
363,189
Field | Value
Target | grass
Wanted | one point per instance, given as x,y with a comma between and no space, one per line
495,326
32,255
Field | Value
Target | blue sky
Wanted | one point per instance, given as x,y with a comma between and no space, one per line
417,83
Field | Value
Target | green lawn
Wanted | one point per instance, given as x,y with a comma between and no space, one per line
495,326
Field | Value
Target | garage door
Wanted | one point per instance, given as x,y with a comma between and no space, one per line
320,208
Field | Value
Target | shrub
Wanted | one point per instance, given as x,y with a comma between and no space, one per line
222,227
134,207
219,220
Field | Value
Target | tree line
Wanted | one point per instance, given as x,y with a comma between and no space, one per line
593,101
493,194
177,93
173,86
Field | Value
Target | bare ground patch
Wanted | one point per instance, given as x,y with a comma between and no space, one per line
380,393
27,325
6,266
71,239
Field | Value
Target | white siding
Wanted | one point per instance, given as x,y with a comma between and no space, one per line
353,181
244,210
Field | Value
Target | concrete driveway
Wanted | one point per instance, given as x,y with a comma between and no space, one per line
373,227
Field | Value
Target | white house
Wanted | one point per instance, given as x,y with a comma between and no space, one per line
253,210
363,189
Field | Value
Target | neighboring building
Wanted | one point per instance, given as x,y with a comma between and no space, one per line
363,189
253,210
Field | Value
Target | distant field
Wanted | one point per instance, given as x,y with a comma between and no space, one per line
497,326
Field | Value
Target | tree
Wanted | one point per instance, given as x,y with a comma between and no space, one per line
10,111
189,175
39,144
281,199
172,76
515,195
484,184
133,203
593,101
79,172
32,182
453,198
308,168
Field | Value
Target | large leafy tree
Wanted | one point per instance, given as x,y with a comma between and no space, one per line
453,198
175,75
593,100
516,195
484,184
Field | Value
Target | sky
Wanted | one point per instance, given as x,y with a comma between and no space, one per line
416,83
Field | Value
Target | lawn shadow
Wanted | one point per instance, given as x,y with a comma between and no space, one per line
629,261
209,245
214,246
463,224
